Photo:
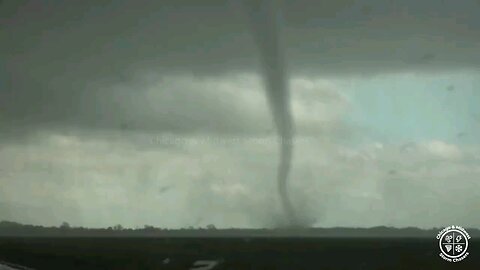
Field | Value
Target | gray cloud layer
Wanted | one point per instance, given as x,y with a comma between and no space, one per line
62,58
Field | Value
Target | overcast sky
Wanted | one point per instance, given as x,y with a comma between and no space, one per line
153,112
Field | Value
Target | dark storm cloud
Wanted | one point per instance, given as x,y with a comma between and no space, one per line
60,59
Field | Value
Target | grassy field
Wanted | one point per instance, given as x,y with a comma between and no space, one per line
231,253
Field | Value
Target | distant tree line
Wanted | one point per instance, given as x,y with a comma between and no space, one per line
15,228
8,228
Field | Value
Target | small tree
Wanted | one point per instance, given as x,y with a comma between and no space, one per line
211,227
117,227
65,225
148,228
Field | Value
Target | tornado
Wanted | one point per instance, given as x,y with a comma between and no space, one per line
265,25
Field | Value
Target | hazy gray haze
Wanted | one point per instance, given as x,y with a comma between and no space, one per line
153,112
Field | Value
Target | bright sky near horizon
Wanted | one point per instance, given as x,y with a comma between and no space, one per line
417,107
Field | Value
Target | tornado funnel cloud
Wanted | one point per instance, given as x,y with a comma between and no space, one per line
265,25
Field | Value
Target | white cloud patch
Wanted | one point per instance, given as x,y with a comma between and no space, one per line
317,105
444,150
